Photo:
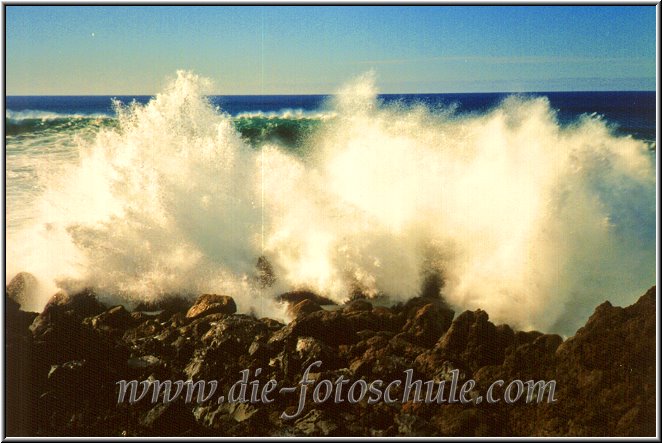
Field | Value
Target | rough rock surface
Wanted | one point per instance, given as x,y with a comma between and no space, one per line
295,297
212,304
64,363
22,287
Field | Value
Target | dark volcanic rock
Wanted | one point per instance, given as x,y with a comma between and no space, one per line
332,327
608,368
314,424
605,376
473,339
69,373
168,303
304,307
17,321
459,421
59,333
64,309
234,334
310,350
358,305
427,325
116,317
212,304
171,419
295,297
63,366
19,392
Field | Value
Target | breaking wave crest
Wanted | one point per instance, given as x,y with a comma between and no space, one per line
533,221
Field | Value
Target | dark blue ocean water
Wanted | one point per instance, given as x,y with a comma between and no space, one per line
632,112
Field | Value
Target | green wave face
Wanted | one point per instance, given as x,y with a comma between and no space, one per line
283,131
255,130
42,126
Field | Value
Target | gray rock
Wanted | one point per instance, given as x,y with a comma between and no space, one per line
22,287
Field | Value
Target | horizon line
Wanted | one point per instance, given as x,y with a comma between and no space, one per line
332,94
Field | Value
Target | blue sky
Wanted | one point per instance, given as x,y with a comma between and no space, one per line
308,50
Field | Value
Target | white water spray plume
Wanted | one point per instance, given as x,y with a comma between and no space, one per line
533,221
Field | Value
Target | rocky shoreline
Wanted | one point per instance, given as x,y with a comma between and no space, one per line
63,365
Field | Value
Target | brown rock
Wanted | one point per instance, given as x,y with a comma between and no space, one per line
473,339
212,304
614,355
428,324
304,307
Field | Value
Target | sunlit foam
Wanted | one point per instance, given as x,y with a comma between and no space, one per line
532,221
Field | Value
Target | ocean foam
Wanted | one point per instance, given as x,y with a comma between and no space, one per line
532,221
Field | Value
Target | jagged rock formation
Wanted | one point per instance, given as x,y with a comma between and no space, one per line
64,363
